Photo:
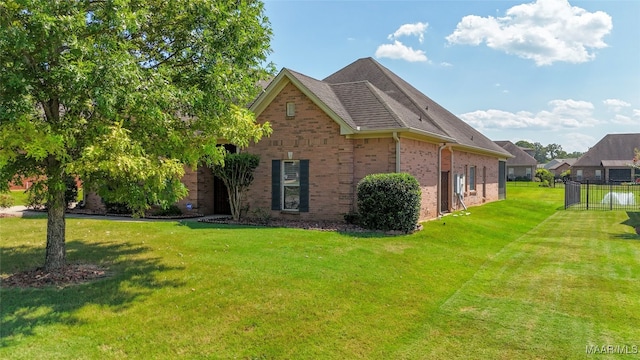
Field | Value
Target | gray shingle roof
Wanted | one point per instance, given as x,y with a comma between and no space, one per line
521,158
435,118
610,147
368,96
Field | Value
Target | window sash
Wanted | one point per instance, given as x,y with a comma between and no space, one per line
472,178
290,185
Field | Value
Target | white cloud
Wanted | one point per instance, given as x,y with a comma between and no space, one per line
446,64
564,114
623,120
636,113
398,50
418,29
545,31
577,142
616,105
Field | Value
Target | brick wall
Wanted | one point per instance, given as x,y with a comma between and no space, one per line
486,178
205,191
338,163
420,159
190,180
310,135
588,173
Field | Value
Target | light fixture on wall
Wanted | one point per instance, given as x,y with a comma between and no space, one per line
290,155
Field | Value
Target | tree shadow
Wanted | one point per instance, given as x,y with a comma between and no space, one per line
634,222
132,275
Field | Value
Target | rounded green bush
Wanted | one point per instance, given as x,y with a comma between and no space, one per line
389,202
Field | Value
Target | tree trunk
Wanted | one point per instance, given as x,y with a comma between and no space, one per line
55,257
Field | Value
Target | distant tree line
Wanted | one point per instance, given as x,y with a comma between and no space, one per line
544,154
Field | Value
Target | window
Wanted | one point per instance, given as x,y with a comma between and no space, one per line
290,185
579,174
598,174
291,109
528,173
472,178
511,174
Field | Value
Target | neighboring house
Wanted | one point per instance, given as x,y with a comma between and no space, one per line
608,160
558,166
329,134
531,152
522,166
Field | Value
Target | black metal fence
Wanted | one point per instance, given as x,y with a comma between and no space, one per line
613,196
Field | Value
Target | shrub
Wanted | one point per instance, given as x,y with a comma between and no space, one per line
389,202
117,208
172,210
545,176
6,201
352,217
261,215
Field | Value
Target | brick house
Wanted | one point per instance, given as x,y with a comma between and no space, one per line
558,166
522,166
608,160
329,134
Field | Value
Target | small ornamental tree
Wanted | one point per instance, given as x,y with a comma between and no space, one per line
545,176
237,174
389,202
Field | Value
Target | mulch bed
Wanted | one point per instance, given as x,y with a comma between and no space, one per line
71,274
296,224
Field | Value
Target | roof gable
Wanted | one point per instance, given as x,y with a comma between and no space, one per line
520,157
365,97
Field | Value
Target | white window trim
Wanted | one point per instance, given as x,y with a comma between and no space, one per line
291,109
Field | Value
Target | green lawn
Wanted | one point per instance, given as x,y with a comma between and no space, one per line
516,279
19,197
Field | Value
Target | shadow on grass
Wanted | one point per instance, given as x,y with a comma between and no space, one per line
634,222
131,276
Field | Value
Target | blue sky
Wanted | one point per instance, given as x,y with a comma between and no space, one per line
548,71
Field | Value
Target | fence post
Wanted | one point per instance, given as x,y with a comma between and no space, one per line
587,194
610,195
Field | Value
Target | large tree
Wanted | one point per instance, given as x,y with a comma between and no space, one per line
124,94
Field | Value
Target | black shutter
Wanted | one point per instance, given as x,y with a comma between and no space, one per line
304,186
275,185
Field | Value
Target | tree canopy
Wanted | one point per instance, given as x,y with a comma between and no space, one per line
545,153
124,94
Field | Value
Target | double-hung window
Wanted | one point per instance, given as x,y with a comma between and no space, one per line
472,178
290,185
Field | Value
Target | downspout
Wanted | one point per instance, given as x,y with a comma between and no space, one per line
397,139
439,204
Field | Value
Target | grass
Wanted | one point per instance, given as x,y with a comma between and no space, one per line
514,279
19,197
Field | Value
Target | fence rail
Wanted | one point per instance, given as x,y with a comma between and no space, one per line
612,196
